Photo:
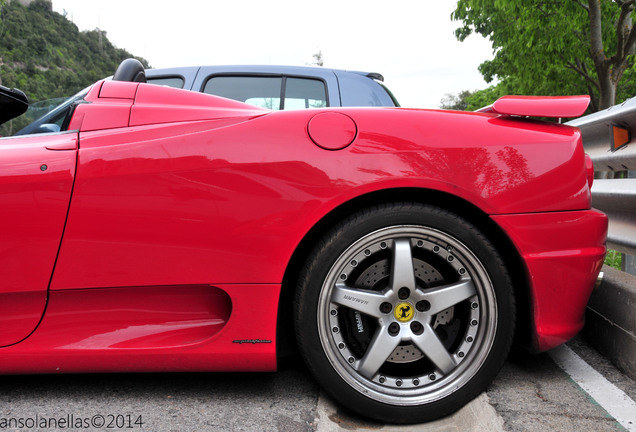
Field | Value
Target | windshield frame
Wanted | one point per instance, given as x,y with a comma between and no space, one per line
64,110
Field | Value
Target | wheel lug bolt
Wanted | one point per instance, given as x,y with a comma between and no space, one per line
394,329
474,305
416,382
351,360
417,328
431,377
398,382
404,293
334,312
469,339
423,306
382,380
341,345
460,354
386,307
473,323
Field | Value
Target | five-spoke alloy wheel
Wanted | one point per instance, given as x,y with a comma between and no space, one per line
405,312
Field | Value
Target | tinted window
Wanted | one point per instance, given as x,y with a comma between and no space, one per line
176,82
358,90
266,92
304,93
260,91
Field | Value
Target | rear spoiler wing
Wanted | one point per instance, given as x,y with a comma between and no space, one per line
539,106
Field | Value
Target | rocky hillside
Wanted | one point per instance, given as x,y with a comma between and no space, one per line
45,55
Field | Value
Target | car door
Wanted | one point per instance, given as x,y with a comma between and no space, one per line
36,179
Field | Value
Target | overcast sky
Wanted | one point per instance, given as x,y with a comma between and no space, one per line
410,42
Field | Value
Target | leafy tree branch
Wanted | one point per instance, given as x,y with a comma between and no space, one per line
556,47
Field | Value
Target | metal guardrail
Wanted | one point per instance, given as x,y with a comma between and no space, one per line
616,196
610,325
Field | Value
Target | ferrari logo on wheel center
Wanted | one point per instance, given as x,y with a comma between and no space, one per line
403,312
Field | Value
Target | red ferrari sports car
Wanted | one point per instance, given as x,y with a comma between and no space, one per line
169,230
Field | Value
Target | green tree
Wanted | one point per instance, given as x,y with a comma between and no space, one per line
556,47
318,59
485,97
467,100
46,56
456,102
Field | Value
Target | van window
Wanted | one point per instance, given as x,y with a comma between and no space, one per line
267,91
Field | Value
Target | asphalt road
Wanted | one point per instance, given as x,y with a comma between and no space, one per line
531,394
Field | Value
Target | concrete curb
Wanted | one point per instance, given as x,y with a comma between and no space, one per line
611,319
477,416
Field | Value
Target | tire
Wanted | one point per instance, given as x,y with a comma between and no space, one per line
404,312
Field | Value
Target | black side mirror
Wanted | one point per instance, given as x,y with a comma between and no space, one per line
13,103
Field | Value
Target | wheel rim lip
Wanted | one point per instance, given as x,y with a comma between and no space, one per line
467,367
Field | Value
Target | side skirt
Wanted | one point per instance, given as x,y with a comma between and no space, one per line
152,329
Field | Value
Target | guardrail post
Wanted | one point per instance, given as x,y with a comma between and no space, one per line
629,264
629,261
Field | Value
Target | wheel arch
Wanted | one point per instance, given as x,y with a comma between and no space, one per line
286,342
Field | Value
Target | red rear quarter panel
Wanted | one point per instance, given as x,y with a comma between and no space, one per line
228,200
563,253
